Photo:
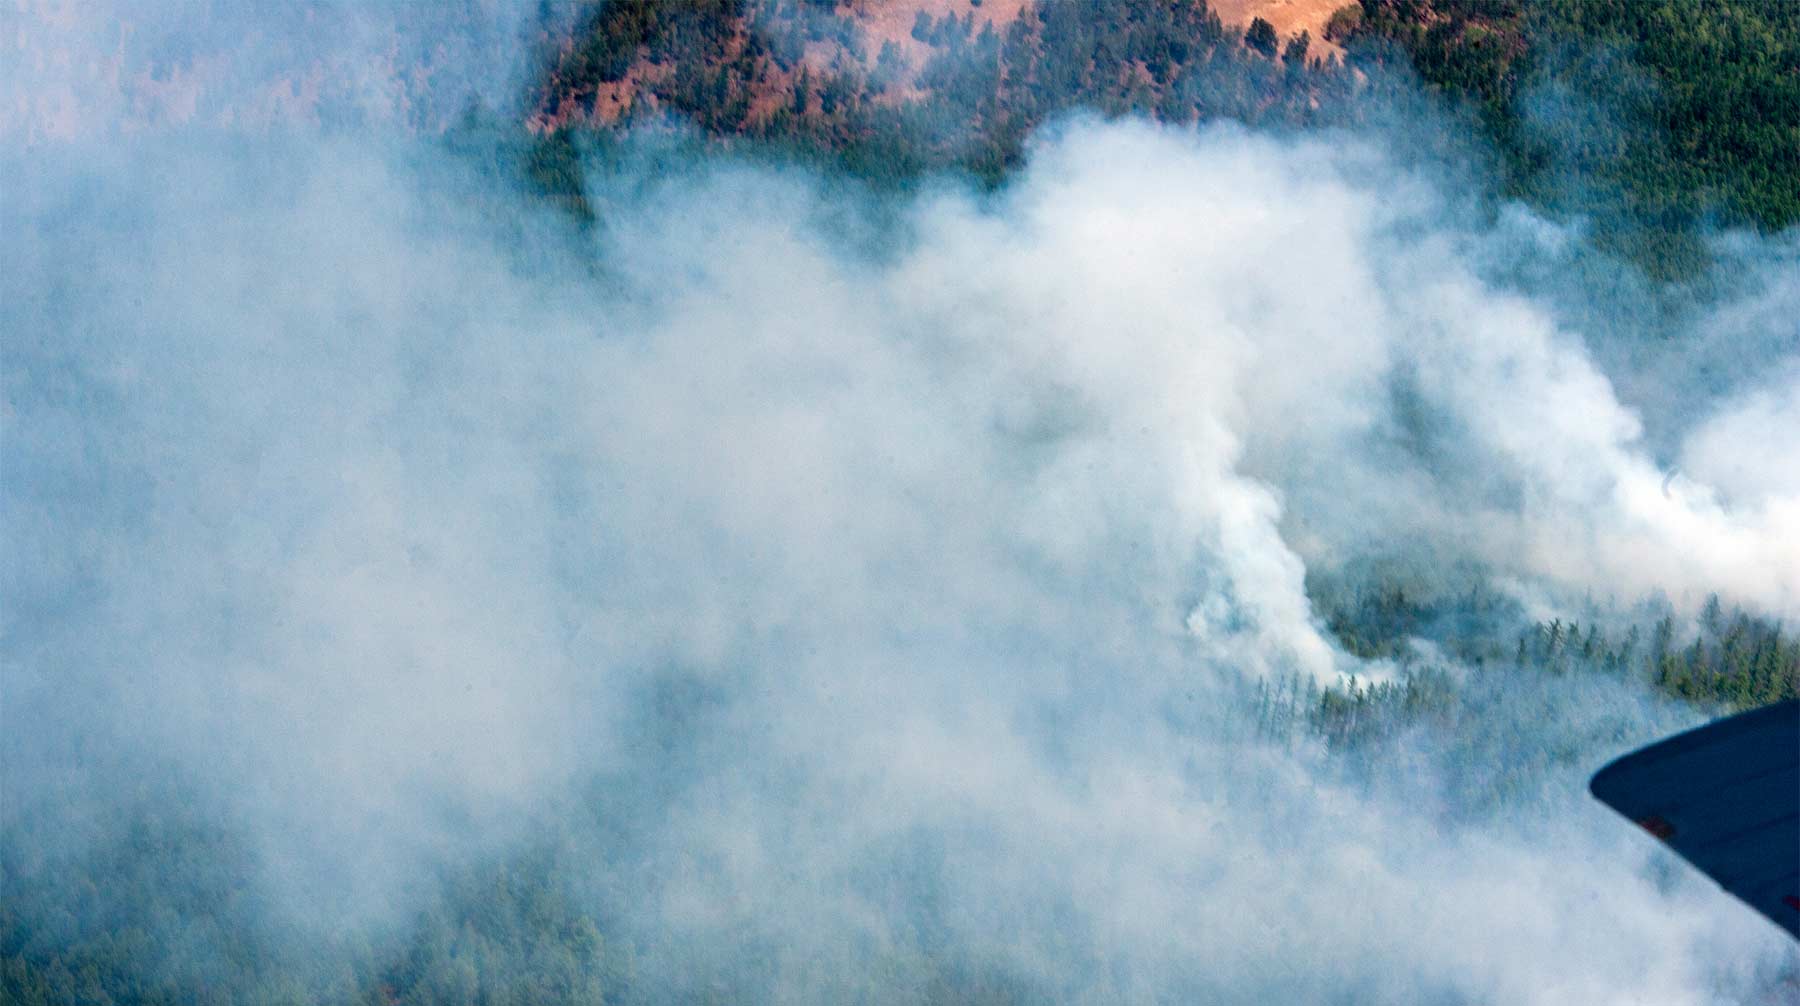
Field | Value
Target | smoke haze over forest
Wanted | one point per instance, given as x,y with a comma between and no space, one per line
779,587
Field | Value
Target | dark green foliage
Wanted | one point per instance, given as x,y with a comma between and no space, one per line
921,29
1736,662
1514,719
508,933
1260,37
548,167
164,912
889,67
1356,714
1379,622
552,166
1295,53
1651,117
1343,23
614,34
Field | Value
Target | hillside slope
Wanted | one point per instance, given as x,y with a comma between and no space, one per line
1653,120
960,86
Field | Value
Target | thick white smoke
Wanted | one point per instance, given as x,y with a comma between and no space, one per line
961,532
76,69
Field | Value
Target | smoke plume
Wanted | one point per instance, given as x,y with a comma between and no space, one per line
858,585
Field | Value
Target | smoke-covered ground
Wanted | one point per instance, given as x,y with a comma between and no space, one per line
862,597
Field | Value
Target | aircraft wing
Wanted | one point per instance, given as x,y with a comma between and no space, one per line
1726,796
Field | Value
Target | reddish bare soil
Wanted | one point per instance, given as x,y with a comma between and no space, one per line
1290,18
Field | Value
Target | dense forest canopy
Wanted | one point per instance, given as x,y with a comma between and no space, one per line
1654,118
